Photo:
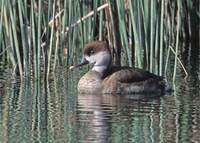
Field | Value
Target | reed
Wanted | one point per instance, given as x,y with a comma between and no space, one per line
13,34
23,31
140,33
177,37
51,40
33,35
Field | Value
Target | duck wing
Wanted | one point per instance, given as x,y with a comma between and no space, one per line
129,75
131,80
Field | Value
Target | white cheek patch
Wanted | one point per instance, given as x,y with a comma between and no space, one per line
99,59
91,59
87,58
103,58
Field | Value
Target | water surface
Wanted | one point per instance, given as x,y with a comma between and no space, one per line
54,112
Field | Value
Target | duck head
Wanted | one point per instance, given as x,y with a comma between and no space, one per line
97,54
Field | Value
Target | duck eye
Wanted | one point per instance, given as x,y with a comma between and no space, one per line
91,52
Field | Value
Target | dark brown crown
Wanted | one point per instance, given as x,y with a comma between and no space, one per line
95,47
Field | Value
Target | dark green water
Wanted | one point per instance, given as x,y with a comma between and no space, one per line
54,112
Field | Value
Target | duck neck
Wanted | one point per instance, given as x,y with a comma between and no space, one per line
102,69
102,65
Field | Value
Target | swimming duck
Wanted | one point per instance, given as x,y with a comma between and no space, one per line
104,77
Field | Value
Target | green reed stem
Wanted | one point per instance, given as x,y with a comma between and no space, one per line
156,47
101,25
39,37
1,22
122,29
161,36
136,36
33,25
51,40
24,39
145,15
14,32
177,38
56,50
11,48
62,36
152,33
95,15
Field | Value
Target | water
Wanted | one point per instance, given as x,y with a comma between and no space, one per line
54,112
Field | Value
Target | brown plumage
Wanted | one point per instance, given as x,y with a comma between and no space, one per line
99,46
131,80
105,78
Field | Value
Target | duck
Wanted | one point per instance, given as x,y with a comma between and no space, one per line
106,78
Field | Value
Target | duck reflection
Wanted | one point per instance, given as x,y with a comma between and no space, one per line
95,113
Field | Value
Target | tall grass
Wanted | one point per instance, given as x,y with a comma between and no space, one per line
37,36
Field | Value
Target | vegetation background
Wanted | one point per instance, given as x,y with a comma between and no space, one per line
157,35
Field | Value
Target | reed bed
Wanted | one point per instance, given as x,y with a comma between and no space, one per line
39,35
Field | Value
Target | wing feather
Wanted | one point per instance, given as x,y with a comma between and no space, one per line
128,75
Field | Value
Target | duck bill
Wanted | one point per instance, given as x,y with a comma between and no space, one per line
83,62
